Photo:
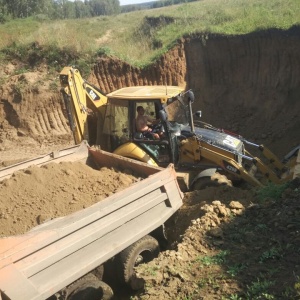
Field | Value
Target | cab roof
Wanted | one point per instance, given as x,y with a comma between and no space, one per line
146,92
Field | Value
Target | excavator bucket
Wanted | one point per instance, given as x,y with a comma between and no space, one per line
297,167
295,162
292,162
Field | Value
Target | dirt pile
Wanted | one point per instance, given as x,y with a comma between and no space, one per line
231,246
37,194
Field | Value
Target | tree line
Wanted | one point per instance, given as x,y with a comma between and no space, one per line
65,9
57,9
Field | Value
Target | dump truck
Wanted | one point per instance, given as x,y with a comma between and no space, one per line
63,258
202,154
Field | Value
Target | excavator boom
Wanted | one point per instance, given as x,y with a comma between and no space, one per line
81,100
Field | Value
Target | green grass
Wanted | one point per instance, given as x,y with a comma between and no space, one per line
273,253
142,36
259,289
272,190
217,259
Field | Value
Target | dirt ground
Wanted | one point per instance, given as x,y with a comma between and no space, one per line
229,244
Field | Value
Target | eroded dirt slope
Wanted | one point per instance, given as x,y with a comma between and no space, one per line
32,120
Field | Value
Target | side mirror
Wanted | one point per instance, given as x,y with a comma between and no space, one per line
191,96
163,115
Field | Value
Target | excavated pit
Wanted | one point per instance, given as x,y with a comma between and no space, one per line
247,84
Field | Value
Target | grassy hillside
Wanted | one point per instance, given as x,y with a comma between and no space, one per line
139,37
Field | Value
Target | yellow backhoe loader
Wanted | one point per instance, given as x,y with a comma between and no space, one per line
206,155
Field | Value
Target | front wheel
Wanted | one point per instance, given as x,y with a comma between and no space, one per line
215,180
142,251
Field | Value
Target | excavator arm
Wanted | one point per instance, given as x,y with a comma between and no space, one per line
82,100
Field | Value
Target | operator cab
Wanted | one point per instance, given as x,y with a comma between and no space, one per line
121,114
120,124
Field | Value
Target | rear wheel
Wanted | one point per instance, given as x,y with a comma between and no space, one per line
89,287
215,180
142,251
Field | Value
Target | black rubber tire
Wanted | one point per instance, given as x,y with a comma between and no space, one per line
142,251
214,181
89,287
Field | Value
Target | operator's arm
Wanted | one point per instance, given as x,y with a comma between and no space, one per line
142,123
152,121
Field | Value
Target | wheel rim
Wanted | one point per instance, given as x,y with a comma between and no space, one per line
144,257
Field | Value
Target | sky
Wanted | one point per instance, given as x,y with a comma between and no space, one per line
125,2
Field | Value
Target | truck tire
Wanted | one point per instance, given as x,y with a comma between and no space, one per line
215,180
89,287
142,251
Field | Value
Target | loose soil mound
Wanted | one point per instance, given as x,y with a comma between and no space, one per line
37,194
231,246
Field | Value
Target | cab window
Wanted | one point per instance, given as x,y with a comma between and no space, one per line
116,123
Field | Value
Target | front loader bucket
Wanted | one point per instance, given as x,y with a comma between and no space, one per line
292,162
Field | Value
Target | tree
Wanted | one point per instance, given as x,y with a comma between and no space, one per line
58,9
104,7
82,10
3,11
26,8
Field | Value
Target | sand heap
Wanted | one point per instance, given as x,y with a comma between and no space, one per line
37,194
